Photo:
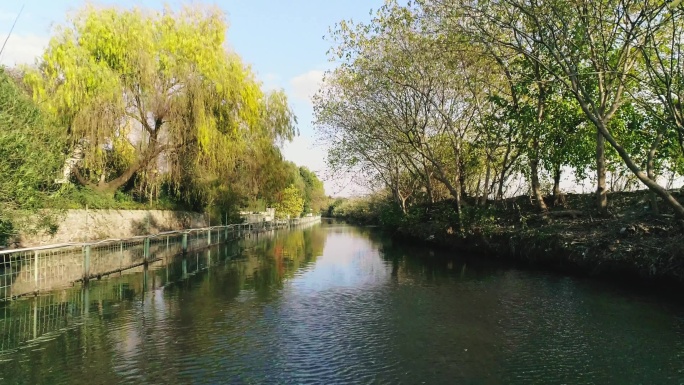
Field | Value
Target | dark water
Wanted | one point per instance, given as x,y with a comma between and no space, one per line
338,304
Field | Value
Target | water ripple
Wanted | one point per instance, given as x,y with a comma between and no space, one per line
336,305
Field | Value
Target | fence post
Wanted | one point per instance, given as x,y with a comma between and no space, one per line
86,263
35,269
35,318
185,242
121,256
209,236
144,280
146,248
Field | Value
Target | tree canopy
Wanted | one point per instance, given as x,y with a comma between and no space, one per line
137,106
473,101
145,93
290,203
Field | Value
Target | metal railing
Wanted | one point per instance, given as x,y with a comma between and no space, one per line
45,315
40,269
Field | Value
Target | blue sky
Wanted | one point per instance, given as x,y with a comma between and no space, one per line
281,40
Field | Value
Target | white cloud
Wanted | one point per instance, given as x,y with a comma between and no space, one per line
23,49
305,86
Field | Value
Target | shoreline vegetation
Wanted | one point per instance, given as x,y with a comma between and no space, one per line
631,244
132,108
446,109
449,109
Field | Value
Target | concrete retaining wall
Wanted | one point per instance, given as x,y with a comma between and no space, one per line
91,225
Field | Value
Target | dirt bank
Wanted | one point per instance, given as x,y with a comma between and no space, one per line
630,243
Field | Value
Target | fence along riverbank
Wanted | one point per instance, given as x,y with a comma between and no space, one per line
37,318
41,269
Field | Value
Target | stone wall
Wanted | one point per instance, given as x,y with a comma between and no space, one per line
92,225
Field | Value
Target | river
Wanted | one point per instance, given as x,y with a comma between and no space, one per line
340,304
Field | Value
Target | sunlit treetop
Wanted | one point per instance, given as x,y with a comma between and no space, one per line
162,80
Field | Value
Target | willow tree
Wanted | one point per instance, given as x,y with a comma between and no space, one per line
144,92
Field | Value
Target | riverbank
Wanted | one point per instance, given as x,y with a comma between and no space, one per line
631,244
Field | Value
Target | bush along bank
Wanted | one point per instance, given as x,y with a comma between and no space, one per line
630,243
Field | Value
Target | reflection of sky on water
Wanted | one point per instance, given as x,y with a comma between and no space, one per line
348,260
329,320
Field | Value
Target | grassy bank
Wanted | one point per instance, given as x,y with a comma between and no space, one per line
631,243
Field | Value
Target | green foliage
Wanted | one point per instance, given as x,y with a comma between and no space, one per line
314,193
375,209
155,98
290,203
441,101
165,117
78,197
31,158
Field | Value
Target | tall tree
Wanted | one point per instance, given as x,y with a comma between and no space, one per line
592,49
157,87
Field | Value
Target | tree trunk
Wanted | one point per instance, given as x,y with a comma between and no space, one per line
462,179
459,210
428,187
650,183
499,190
396,194
650,172
601,193
654,203
430,193
455,192
504,168
534,176
397,199
485,192
534,159
110,187
556,185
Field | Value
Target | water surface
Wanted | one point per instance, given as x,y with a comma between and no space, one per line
340,304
